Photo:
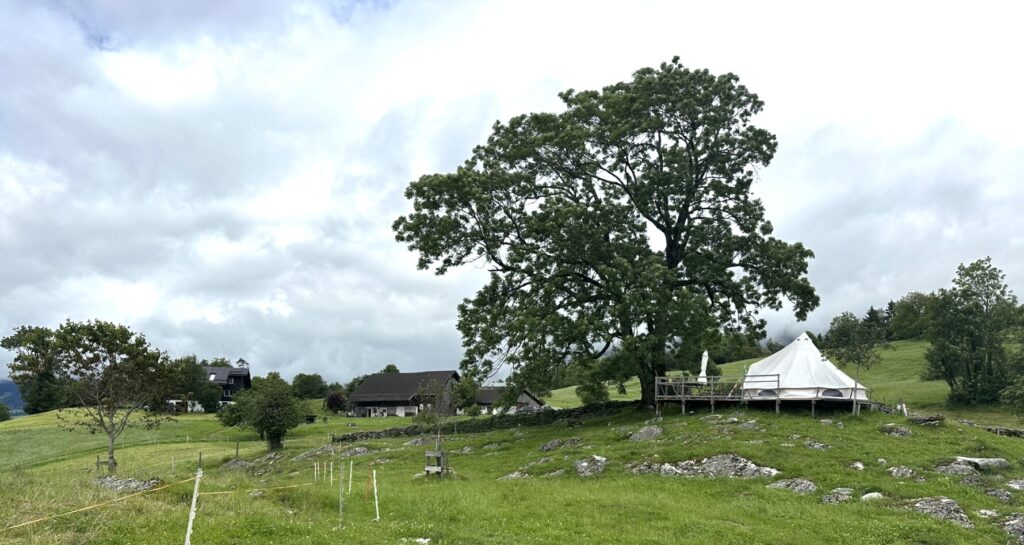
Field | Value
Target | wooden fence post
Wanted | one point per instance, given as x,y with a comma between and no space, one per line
192,511
376,504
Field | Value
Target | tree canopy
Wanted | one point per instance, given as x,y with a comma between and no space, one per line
5,413
35,368
970,329
311,386
106,371
627,220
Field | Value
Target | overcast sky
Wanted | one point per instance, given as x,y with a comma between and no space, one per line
222,176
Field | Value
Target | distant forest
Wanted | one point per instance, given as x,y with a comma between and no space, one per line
10,396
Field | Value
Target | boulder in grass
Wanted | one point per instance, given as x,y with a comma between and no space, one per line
896,431
1014,525
858,466
1016,484
901,472
983,463
646,433
799,486
943,508
838,495
591,466
956,468
872,496
1000,494
513,476
118,484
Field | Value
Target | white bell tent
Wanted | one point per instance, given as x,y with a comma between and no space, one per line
803,373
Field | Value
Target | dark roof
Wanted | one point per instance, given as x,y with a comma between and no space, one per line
398,386
221,374
489,395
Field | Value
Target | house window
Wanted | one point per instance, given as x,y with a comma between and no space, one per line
213,376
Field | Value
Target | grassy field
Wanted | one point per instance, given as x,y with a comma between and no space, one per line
616,506
897,376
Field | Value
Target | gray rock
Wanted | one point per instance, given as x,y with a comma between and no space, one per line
816,445
1014,525
513,476
591,466
787,445
1000,494
646,433
943,508
1016,484
987,513
872,496
118,484
956,468
730,465
355,451
256,494
984,463
493,446
826,421
840,425
419,441
750,425
882,461
556,473
236,463
901,472
550,445
973,480
722,465
926,419
896,431
543,460
800,486
859,466
838,495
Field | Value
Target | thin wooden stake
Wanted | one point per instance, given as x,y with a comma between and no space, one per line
376,504
350,476
192,511
332,474
341,497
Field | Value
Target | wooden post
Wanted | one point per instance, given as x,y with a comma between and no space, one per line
341,497
349,477
813,401
192,511
376,504
332,474
712,384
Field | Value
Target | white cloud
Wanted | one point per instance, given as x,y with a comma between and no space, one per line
225,178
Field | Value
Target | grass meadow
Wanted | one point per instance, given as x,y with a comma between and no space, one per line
47,471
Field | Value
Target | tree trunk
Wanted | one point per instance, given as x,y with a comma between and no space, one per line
111,462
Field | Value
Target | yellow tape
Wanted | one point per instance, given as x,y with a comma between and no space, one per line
101,504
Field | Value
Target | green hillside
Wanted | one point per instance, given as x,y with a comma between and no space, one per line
897,376
477,508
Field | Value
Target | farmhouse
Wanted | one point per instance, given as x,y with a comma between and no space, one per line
231,379
487,398
404,394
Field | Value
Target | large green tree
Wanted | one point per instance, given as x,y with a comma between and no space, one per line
971,329
274,410
5,413
34,368
627,220
309,386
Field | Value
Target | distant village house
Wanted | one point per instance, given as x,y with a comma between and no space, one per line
231,379
404,394
488,398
